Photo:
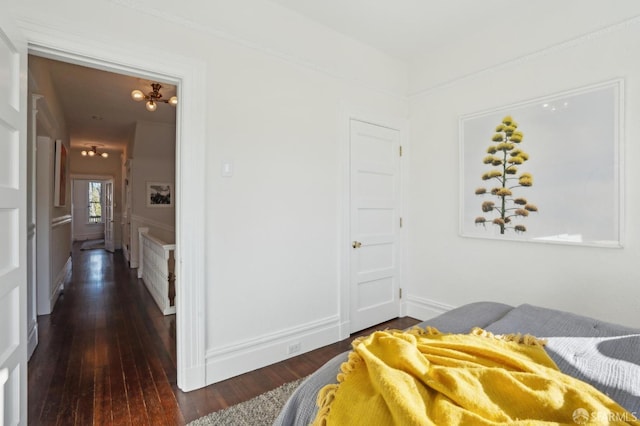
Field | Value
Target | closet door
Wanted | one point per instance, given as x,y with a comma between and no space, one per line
375,224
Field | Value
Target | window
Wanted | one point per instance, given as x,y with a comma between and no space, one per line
95,202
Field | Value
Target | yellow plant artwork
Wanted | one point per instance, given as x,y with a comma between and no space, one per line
505,156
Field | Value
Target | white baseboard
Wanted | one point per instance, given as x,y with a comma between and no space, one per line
345,329
90,236
32,339
423,309
58,286
192,379
238,358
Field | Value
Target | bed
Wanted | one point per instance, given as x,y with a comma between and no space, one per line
602,354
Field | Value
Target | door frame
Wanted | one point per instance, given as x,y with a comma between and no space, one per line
348,113
14,194
188,74
95,178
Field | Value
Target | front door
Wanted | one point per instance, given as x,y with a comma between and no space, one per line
374,224
13,225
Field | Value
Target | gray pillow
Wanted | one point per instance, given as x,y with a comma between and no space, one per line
464,318
603,354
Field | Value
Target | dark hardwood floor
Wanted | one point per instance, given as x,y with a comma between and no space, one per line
106,355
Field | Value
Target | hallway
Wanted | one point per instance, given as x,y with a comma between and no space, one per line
106,355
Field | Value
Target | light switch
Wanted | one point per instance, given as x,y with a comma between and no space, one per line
227,168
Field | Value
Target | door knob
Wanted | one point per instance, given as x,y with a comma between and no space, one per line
356,244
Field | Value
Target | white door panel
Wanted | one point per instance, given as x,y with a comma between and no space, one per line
371,221
374,224
13,227
109,243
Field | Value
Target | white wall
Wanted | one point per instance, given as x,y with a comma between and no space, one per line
273,228
446,269
97,168
53,232
154,160
276,84
53,224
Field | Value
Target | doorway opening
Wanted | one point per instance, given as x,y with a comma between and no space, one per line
86,110
188,76
92,207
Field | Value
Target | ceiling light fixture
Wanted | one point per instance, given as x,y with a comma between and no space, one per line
153,97
93,152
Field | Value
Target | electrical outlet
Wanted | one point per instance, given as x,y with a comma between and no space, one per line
293,348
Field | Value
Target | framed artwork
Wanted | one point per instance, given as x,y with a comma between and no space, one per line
546,170
60,175
159,194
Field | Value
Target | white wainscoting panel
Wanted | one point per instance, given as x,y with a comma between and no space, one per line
159,229
154,269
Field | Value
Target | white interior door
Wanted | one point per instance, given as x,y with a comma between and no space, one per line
109,243
374,224
13,225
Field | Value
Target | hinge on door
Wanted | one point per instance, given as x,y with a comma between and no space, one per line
400,222
400,150
400,293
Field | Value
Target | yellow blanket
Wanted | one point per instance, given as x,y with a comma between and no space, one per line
423,377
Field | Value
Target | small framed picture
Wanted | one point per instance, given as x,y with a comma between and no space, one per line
159,194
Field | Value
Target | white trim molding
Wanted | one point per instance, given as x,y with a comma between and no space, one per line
58,284
231,360
90,236
257,45
558,47
41,109
423,309
91,177
60,220
32,337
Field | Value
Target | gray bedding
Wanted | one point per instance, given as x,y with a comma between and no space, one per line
603,354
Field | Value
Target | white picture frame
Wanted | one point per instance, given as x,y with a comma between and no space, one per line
159,194
575,156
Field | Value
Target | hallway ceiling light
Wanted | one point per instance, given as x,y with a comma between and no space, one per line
153,97
93,152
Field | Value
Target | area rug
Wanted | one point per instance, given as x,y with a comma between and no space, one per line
261,410
92,244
